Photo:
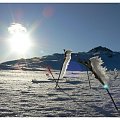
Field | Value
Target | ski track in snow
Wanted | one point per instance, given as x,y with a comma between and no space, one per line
21,98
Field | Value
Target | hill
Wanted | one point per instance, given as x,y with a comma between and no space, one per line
111,60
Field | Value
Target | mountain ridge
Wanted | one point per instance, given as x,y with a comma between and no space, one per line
111,60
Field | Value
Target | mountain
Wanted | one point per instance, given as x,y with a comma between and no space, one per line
111,60
100,49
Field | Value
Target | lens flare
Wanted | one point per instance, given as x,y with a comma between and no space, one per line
105,86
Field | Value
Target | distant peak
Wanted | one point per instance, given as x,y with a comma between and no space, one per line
100,49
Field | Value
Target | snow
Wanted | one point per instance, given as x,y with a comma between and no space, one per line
65,63
20,97
97,67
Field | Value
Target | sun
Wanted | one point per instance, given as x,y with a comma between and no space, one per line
19,41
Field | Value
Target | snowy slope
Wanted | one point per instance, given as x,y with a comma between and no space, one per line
22,98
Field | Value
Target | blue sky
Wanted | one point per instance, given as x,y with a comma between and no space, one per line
53,27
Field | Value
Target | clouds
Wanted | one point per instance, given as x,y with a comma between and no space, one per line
16,28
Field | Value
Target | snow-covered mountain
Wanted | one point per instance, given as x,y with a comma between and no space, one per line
111,60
